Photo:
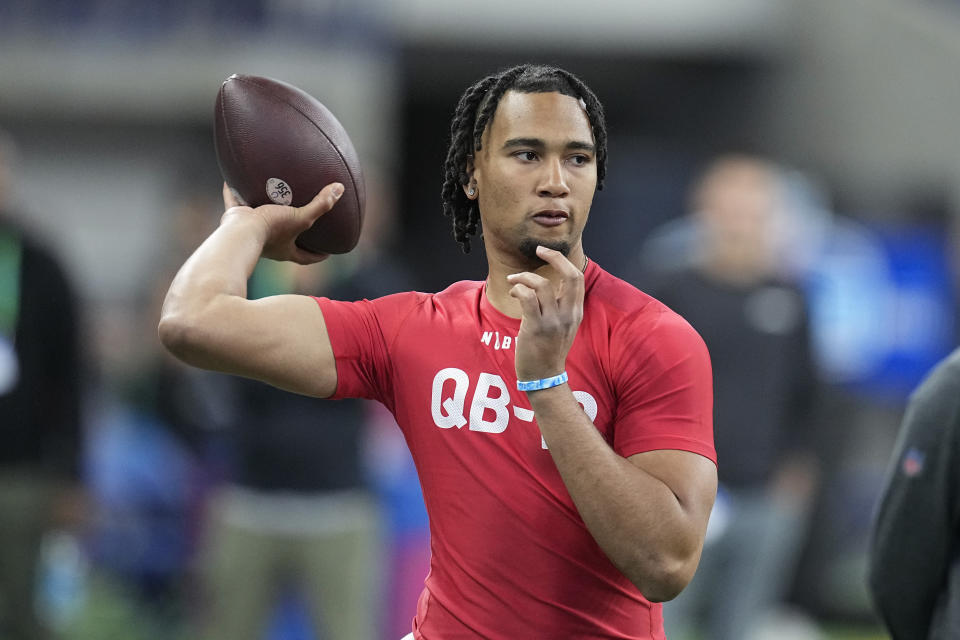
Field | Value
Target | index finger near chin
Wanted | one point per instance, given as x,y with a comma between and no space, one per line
558,261
571,290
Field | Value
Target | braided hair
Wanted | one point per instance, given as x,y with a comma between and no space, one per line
472,116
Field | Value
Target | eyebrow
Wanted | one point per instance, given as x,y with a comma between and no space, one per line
537,143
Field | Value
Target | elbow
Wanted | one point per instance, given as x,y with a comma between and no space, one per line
665,587
662,579
178,335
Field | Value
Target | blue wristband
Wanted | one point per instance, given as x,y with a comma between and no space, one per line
543,383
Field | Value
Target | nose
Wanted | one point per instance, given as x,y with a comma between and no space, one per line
553,183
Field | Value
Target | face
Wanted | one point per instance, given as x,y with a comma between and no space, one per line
535,175
738,205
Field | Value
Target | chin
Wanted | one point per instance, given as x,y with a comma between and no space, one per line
528,248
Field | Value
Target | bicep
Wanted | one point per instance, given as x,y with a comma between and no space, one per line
281,340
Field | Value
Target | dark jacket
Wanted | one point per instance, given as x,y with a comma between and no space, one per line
40,414
914,575
764,382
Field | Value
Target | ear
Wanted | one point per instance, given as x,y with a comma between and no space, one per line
470,189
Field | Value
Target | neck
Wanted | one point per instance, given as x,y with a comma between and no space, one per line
498,288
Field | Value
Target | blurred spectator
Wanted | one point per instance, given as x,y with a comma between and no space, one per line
914,574
296,516
755,325
40,424
152,423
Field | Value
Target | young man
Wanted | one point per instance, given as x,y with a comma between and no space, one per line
560,419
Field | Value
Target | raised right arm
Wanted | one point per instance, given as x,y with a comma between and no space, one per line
208,322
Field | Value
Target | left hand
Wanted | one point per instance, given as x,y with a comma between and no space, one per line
550,315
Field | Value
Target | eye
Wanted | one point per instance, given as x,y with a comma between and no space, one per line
580,160
528,156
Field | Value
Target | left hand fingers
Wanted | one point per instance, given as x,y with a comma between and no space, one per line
571,292
529,302
545,296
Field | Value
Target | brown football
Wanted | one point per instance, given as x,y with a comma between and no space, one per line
277,143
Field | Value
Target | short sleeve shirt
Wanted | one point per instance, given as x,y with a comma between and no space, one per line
510,555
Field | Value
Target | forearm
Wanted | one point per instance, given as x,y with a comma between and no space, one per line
635,517
217,271
221,265
208,322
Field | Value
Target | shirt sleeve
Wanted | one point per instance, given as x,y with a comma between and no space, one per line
665,388
915,524
361,334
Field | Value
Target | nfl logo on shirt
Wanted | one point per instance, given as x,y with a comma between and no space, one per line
912,464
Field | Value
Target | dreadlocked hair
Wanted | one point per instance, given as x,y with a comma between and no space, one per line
472,116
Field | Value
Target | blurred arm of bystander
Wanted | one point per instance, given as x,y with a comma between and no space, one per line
913,570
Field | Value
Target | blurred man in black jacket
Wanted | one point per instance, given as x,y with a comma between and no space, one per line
39,410
754,322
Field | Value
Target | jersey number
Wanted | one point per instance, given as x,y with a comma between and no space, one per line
490,407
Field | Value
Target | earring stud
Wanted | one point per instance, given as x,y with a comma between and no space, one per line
472,191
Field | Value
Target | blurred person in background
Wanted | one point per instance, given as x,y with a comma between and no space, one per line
563,510
296,516
153,446
40,417
914,573
727,285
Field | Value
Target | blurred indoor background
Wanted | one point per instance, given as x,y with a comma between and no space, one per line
109,104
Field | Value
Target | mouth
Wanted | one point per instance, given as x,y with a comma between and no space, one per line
551,217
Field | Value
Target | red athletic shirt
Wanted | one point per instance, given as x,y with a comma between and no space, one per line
510,556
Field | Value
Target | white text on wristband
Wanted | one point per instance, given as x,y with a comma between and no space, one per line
543,383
